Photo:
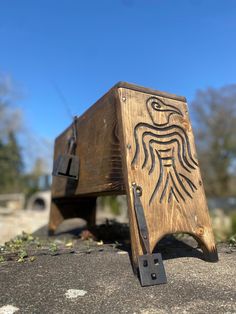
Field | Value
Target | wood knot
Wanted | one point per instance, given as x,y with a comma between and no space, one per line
200,231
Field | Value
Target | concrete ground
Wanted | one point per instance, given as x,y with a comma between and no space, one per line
13,223
92,277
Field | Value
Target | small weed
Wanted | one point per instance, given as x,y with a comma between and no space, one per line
53,247
69,244
232,240
32,258
22,255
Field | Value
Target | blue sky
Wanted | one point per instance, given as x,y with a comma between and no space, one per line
82,48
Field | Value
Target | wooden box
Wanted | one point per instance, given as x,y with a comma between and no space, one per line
133,139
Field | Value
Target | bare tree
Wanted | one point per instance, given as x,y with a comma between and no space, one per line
11,164
10,116
214,116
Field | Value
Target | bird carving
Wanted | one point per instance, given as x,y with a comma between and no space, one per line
162,148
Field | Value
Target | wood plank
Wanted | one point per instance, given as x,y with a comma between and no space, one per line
148,91
160,156
134,134
98,149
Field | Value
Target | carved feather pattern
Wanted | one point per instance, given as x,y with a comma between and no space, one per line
164,149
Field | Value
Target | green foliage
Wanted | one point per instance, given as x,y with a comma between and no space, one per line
22,255
233,219
232,241
53,247
214,117
11,165
19,242
31,181
24,247
112,203
13,179
32,258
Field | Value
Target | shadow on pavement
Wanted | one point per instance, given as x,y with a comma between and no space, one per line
112,232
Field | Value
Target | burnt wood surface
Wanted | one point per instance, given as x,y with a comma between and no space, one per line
160,157
98,149
137,135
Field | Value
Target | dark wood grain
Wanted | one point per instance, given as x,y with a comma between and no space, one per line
160,157
137,135
149,91
98,150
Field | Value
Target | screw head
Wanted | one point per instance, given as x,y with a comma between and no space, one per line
139,190
200,231
153,276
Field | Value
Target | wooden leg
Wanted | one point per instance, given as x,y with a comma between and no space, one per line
55,218
61,209
159,157
207,244
134,234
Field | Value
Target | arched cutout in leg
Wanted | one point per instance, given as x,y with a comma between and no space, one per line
171,247
209,250
61,209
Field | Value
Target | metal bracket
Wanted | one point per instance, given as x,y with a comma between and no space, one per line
67,165
151,268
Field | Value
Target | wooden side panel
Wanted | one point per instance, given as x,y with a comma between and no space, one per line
63,208
160,156
98,150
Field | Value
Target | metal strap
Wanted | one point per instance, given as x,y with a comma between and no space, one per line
151,268
141,220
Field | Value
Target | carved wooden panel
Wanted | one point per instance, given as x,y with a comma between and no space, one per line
160,157
136,135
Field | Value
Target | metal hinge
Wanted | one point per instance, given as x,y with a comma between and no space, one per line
151,268
67,165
